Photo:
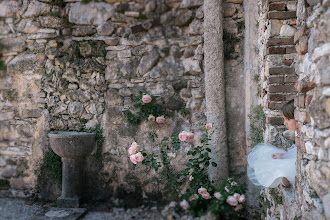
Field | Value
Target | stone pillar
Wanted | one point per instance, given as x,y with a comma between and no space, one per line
215,86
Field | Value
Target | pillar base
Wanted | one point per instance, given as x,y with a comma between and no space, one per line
68,202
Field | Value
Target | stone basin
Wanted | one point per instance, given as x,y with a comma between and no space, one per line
72,147
72,144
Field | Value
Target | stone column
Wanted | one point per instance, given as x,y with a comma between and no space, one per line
215,86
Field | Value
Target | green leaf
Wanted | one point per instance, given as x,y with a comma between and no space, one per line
208,149
194,153
214,164
207,163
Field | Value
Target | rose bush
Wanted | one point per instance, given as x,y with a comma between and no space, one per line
191,186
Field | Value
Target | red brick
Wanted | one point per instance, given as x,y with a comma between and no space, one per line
276,97
301,116
277,7
275,105
293,22
290,79
302,86
308,99
302,47
281,15
281,70
276,50
298,128
299,33
274,120
281,88
289,50
297,141
288,62
275,79
299,101
276,41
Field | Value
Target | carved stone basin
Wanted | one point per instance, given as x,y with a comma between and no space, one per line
72,147
72,144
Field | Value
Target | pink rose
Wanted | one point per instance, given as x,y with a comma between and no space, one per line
160,119
202,190
184,204
146,99
238,207
206,195
190,137
151,118
208,126
236,195
232,201
193,197
217,195
241,199
136,158
183,136
132,149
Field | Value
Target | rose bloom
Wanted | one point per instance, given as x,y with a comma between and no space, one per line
202,190
232,201
206,195
146,99
233,183
226,188
184,204
191,178
193,197
241,199
236,195
160,119
183,136
208,126
151,118
132,149
190,137
238,207
136,158
217,195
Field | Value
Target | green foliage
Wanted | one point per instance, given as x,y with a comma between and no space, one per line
229,41
264,203
54,13
142,16
2,65
145,109
275,195
85,1
295,218
52,162
184,111
98,138
60,3
313,194
257,125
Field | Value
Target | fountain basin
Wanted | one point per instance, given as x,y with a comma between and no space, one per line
72,147
72,144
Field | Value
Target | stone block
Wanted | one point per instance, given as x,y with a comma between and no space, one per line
276,7
299,33
31,113
276,50
288,62
83,30
274,120
7,116
301,116
229,9
281,15
13,45
105,29
287,31
302,47
183,17
191,3
303,86
36,9
276,41
94,13
289,50
299,101
281,88
51,22
275,105
275,27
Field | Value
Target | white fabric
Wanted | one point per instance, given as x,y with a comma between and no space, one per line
264,170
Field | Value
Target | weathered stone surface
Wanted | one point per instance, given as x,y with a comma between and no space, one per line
83,31
150,6
191,3
287,31
192,66
22,62
51,22
321,51
322,76
175,51
8,171
196,27
76,109
94,13
318,110
229,10
31,113
171,66
9,8
147,62
85,49
36,8
105,29
315,179
275,27
28,26
6,116
183,17
13,44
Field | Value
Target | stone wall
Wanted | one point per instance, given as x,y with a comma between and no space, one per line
72,66
296,65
